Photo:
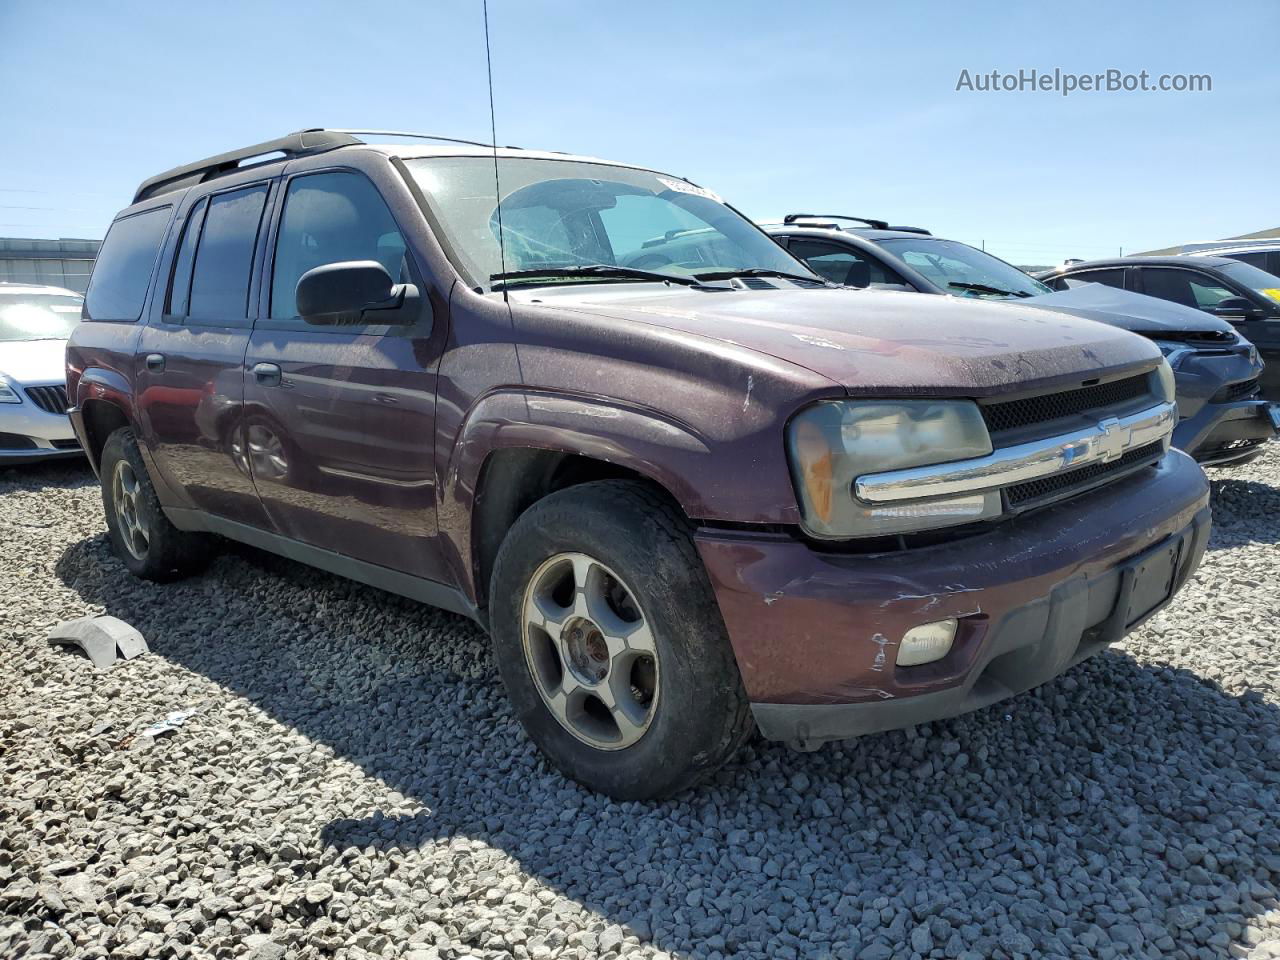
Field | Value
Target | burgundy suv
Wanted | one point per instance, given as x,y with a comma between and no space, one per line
689,487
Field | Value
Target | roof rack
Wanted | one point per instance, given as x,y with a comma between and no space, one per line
299,144
873,224
418,136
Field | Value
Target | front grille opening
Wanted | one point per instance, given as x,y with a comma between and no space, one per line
15,441
1195,336
1033,491
50,399
1236,391
1011,414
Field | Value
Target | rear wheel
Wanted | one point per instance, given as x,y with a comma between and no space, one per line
144,539
611,645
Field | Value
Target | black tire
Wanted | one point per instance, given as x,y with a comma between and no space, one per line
699,715
165,553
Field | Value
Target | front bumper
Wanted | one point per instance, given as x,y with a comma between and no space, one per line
815,634
1222,417
29,434
1225,433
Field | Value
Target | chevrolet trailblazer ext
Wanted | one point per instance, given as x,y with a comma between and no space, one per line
687,493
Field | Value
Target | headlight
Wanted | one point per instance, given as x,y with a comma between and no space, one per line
8,394
1164,376
832,444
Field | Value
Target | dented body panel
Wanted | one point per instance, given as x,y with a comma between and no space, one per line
812,629
879,342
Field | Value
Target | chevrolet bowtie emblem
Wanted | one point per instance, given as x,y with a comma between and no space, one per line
1113,440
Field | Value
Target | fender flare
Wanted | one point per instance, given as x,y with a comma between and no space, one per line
664,450
100,386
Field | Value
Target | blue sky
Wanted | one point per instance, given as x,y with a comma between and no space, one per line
847,107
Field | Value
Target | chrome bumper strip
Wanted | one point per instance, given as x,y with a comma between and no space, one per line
1109,440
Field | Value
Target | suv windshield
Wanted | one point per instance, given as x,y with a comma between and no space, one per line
38,316
561,215
963,270
1267,284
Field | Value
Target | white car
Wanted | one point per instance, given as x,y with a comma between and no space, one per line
35,323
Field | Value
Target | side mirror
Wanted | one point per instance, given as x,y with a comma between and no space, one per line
337,293
1235,308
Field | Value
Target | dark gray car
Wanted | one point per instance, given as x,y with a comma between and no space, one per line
1223,417
1226,287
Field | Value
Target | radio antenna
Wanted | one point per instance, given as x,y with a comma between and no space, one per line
493,138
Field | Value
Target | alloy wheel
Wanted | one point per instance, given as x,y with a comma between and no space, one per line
591,651
126,495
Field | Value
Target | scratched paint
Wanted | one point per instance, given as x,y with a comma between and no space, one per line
881,658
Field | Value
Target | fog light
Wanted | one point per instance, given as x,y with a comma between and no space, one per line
926,643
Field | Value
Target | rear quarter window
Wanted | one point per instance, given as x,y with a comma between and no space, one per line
122,273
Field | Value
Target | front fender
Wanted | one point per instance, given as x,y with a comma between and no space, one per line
703,476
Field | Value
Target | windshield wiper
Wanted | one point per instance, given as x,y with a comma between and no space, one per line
987,288
757,272
592,271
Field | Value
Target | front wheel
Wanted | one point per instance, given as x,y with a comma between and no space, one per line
150,546
611,645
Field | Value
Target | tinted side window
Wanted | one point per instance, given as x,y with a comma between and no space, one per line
180,284
122,272
1184,287
224,255
841,264
329,218
1112,278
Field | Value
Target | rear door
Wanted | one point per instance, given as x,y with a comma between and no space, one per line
339,420
190,358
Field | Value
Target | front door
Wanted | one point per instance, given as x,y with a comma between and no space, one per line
339,420
190,359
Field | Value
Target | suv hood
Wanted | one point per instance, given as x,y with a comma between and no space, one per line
1132,311
877,341
34,361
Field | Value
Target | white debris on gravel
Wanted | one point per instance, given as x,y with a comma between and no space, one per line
354,786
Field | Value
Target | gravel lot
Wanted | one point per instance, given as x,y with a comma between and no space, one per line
355,785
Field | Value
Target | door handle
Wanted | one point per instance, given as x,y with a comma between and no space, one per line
267,374
155,362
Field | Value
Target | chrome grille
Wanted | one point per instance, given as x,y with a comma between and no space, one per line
51,398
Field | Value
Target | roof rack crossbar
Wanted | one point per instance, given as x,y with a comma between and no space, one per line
297,144
873,224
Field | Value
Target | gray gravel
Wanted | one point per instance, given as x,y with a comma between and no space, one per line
355,786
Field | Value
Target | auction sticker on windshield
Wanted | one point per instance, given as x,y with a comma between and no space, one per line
681,186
